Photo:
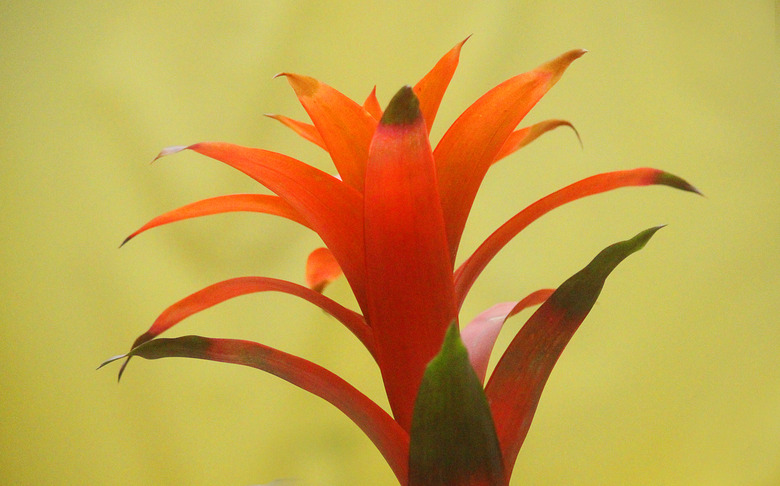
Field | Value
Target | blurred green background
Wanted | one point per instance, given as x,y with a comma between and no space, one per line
673,379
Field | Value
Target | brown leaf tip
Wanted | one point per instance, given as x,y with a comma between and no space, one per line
672,180
403,109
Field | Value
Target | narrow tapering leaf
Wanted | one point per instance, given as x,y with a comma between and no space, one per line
236,287
431,88
517,382
305,130
453,440
384,432
468,272
258,203
520,138
372,106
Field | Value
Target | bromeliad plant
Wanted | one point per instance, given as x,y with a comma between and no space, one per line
392,221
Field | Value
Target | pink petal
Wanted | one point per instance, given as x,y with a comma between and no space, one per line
481,333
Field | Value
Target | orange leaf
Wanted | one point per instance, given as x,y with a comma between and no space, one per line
333,209
235,287
520,138
345,126
517,382
305,130
372,106
258,203
472,143
321,269
468,272
430,89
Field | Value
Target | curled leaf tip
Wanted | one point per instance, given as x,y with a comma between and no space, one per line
576,133
558,65
403,109
169,151
111,360
671,180
126,357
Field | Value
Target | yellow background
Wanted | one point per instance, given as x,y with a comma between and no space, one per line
673,379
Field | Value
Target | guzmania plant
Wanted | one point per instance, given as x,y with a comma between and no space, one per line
391,221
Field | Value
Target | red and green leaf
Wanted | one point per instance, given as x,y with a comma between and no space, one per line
453,439
517,382
391,440
468,272
409,285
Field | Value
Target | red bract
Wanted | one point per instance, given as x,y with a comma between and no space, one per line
392,221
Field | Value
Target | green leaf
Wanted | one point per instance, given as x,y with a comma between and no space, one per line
517,382
453,441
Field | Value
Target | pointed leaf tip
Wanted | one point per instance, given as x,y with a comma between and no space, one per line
517,381
403,109
671,180
558,65
170,151
111,360
302,85
452,409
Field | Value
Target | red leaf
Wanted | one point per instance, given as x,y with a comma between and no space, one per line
228,289
481,333
305,130
472,143
333,209
321,269
409,284
384,432
468,272
345,127
430,89
517,382
520,138
258,203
